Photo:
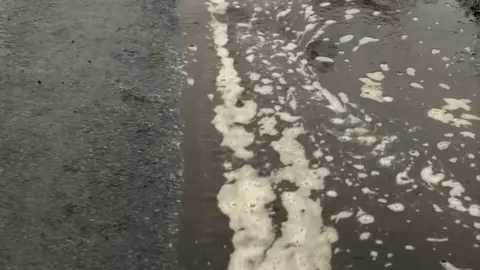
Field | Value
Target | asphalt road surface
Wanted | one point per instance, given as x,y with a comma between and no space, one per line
317,135
90,166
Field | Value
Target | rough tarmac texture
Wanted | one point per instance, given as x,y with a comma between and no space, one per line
89,134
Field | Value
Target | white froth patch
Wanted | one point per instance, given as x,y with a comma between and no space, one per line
376,13
404,37
341,215
364,41
325,4
365,236
474,210
384,67
190,81
346,38
437,208
352,11
444,86
402,178
443,116
227,115
455,104
456,204
468,116
368,191
386,161
254,76
468,134
433,239
332,193
430,177
411,71
263,89
243,199
396,207
409,247
373,90
290,47
443,145
435,51
365,218
304,225
416,85
267,126
415,19
324,59
377,75
448,266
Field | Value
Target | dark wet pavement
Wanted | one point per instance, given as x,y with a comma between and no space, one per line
393,121
89,141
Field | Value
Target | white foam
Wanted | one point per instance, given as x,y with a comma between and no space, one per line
435,51
346,38
416,85
443,145
365,219
474,210
384,67
377,75
373,90
341,215
267,126
430,177
443,116
263,89
444,86
364,41
468,134
227,115
332,193
455,104
437,208
409,247
411,71
402,178
396,207
448,266
365,236
244,199
468,116
352,11
433,239
324,59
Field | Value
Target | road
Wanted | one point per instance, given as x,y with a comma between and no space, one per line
90,166
239,135
331,135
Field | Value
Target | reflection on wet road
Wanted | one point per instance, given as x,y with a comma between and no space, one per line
332,135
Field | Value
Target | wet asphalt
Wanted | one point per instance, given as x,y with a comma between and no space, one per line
90,166
94,106
409,34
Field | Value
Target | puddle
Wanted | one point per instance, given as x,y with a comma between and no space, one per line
312,125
